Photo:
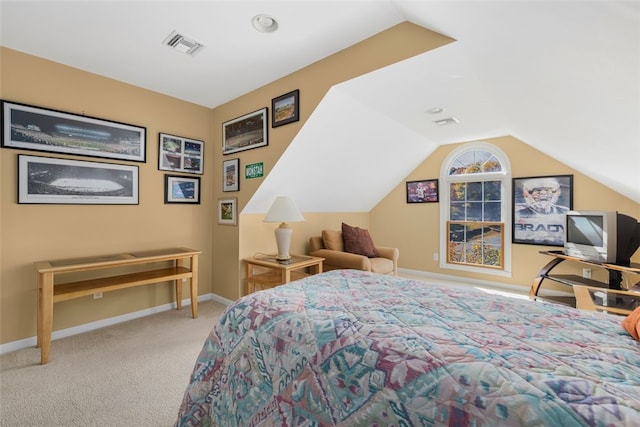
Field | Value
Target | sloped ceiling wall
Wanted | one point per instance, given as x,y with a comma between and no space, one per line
562,77
359,143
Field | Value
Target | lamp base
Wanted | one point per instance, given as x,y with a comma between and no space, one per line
283,240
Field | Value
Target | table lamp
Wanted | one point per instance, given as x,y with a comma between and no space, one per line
283,210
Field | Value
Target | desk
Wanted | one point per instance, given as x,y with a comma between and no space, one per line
278,273
49,292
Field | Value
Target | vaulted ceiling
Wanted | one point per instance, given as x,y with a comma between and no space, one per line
562,76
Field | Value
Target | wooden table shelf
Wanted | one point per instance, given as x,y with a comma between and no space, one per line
66,291
185,266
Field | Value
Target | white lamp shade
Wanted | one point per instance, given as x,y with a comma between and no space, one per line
283,209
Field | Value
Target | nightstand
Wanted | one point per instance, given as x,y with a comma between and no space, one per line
267,272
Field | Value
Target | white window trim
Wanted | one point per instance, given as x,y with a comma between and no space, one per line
505,177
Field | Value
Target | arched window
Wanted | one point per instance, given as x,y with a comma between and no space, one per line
475,210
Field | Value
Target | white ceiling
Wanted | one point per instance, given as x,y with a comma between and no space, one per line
563,77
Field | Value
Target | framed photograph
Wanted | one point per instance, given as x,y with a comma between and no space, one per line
47,180
424,191
27,127
231,175
246,132
181,189
539,207
227,211
285,108
180,154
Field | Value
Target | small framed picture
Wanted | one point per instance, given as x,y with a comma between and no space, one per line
285,108
539,207
181,189
178,154
227,211
424,191
246,132
231,175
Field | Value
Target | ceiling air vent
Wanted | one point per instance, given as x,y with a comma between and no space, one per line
182,43
447,121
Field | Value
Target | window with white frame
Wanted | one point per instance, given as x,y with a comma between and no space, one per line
475,210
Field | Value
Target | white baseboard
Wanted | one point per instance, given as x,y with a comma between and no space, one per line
517,289
221,300
75,330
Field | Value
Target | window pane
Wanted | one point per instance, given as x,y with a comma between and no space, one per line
492,165
492,234
455,253
457,211
492,211
475,161
456,233
474,191
491,255
474,211
457,191
473,254
492,190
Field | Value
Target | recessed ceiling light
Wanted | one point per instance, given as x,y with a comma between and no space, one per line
264,23
436,110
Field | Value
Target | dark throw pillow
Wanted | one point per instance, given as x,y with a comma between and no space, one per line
358,241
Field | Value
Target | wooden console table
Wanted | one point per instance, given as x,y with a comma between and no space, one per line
49,292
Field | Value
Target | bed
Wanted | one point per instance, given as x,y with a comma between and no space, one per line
352,348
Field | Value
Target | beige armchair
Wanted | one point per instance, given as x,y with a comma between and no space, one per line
329,246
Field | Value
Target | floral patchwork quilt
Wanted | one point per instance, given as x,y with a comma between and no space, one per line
350,348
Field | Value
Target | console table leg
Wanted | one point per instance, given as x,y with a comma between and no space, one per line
178,284
45,315
194,286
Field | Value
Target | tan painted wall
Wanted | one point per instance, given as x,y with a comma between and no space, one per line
258,237
414,228
39,232
31,233
395,44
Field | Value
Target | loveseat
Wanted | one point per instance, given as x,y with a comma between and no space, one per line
330,246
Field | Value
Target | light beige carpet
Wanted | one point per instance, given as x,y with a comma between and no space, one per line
130,374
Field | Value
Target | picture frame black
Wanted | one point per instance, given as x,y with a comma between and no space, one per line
180,154
285,108
181,189
539,207
422,191
228,211
246,132
27,127
231,175
50,180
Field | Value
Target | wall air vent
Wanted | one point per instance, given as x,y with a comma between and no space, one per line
182,43
447,121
